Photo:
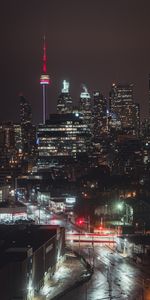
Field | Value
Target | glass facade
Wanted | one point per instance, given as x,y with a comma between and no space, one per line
63,135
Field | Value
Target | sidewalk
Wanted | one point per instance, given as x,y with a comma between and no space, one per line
69,275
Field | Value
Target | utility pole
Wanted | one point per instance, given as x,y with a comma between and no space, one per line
39,214
89,224
79,243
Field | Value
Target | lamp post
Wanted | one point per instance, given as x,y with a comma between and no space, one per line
79,243
119,208
89,224
39,206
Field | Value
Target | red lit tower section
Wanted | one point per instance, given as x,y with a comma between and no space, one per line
44,79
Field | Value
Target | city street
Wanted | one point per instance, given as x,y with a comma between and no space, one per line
114,277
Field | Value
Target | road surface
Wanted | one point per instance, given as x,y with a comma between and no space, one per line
114,277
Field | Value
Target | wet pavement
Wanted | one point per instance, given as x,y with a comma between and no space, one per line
69,275
125,280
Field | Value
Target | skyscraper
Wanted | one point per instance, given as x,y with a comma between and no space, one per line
7,145
64,136
64,104
85,105
27,129
99,114
25,111
123,106
44,80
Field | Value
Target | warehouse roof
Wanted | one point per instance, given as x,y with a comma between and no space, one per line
17,240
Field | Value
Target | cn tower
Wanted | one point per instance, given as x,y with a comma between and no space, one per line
44,79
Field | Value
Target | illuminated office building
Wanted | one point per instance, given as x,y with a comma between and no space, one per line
85,106
10,144
99,114
10,152
7,143
123,106
25,111
28,130
64,136
64,104
18,137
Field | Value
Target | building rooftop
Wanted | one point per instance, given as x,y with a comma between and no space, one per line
60,118
17,240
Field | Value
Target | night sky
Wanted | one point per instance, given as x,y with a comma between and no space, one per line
95,42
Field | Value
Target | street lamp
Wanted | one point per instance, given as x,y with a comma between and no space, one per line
89,224
39,206
119,208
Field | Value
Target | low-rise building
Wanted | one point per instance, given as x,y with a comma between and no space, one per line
28,255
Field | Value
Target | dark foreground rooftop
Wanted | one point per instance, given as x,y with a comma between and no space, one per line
16,240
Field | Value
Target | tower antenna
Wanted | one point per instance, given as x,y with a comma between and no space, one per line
44,78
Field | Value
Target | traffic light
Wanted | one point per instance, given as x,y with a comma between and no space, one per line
80,221
100,227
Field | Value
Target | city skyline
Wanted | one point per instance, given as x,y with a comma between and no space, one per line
74,156
88,43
